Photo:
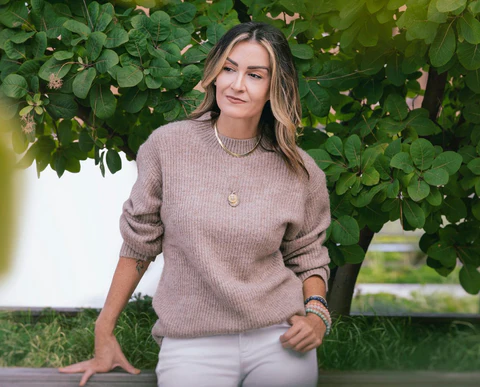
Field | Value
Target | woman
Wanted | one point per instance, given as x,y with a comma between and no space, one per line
240,213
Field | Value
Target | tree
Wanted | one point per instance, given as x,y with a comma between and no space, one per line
92,79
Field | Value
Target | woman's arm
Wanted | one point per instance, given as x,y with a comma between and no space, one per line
127,275
108,353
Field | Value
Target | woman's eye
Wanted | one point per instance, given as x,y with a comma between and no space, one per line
256,76
227,69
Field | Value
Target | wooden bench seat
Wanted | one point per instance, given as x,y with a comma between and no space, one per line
50,377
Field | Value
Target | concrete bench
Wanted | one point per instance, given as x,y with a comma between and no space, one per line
50,377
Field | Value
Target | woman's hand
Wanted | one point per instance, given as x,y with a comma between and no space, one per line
305,334
108,355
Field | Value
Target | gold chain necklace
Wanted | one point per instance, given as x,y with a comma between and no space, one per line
232,198
228,150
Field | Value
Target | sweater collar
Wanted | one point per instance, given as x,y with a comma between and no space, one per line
234,145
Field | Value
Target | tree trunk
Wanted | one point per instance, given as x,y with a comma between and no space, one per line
434,92
343,279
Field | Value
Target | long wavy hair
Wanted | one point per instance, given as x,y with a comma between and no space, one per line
281,115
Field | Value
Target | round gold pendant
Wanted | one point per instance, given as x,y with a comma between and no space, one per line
233,199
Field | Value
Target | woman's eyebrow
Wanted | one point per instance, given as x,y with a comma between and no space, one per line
249,67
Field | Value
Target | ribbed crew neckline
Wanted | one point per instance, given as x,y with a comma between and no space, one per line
234,145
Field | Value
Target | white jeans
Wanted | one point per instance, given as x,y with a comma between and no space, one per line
254,358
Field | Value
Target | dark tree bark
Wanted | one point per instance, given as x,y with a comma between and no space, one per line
343,279
434,92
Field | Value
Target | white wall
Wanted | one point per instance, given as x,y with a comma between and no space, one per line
68,238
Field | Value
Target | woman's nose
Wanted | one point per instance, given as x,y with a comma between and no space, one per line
238,83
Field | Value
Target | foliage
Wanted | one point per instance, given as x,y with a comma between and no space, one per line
90,79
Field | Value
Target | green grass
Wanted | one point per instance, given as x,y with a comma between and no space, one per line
398,268
385,303
356,343
388,344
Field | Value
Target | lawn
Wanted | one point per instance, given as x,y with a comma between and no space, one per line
356,343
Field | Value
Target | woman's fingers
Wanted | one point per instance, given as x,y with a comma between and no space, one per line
86,376
74,368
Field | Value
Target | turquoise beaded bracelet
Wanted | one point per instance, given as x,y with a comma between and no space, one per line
323,317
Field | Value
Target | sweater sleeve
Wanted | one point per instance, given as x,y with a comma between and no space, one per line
305,254
140,223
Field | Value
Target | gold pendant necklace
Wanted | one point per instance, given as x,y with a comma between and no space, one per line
228,150
233,199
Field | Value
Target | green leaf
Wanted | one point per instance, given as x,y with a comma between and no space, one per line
454,209
85,141
159,26
114,162
443,46
183,12
53,66
472,80
318,100
397,107
450,5
83,81
321,157
168,51
450,161
103,101
417,189
474,166
469,55
106,61
21,37
345,230
116,37
344,183
413,214
370,177
334,146
14,86
94,45
134,100
434,14
137,44
402,161
39,44
352,253
470,279
129,76
105,17
195,54
435,197
301,51
182,38
474,7
215,32
14,15
436,176
470,28
393,189
191,76
65,135
61,106
78,28
353,150
62,55
423,153
172,79
443,252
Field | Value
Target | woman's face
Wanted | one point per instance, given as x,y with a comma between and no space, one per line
243,85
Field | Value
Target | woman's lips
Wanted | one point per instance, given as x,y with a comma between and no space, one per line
235,100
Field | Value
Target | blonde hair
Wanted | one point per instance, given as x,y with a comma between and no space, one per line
281,115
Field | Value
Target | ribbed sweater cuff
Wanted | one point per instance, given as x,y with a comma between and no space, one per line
128,252
322,272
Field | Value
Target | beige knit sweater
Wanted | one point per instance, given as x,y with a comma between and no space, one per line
227,269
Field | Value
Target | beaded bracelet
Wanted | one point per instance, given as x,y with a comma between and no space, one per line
317,298
322,309
322,316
